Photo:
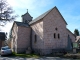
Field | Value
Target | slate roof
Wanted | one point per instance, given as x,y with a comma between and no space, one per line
27,14
21,24
43,15
77,38
37,19
2,36
40,17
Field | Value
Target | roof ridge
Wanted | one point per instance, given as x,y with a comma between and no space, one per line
21,24
42,15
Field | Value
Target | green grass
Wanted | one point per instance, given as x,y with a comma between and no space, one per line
71,56
26,55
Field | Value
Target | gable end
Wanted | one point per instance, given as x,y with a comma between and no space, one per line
44,14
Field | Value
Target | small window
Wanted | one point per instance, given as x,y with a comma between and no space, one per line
56,29
35,38
58,36
54,35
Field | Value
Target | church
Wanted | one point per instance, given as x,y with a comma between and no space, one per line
44,35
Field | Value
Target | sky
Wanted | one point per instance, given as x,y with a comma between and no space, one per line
70,10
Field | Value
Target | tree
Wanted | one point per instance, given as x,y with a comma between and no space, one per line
76,32
5,13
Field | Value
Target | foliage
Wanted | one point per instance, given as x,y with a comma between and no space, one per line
76,32
6,13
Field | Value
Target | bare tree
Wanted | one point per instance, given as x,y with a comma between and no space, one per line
6,13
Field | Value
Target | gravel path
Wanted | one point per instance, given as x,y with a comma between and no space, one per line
44,58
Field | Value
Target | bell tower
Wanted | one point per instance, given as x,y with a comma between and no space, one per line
26,18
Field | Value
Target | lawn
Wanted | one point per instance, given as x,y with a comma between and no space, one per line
26,55
68,55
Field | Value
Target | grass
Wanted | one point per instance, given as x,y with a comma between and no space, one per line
26,55
71,56
68,55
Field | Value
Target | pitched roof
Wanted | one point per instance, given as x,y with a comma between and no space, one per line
21,24
77,38
43,15
40,17
71,32
27,14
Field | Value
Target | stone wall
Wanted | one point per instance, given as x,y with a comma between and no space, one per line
37,29
52,24
14,38
23,41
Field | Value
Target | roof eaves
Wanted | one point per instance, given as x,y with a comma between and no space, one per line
44,14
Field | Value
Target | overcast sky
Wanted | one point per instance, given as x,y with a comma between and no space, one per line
70,10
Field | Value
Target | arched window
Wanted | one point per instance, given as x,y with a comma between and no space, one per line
54,35
58,36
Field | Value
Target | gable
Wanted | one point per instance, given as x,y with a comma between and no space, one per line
55,18
60,15
45,14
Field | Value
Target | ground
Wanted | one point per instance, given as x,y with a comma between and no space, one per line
41,58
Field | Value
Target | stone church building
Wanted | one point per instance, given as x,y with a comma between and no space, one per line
44,35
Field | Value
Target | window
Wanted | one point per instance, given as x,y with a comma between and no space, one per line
54,35
56,29
58,36
35,38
